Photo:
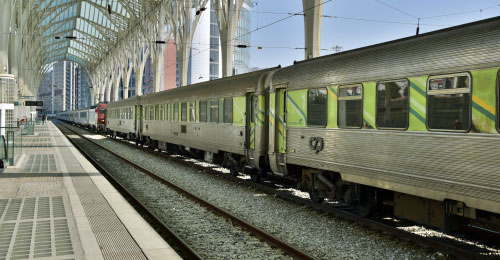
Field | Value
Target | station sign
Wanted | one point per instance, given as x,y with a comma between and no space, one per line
37,103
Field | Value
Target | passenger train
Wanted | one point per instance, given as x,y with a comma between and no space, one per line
93,117
413,122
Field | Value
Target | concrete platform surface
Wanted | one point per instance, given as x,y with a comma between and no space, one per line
55,205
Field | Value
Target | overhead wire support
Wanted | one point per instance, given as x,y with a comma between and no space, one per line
403,12
418,26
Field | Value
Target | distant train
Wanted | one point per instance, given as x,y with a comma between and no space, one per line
93,117
413,123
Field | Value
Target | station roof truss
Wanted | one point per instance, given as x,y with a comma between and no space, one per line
84,31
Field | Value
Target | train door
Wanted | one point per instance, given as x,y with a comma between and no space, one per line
138,121
250,129
277,130
281,121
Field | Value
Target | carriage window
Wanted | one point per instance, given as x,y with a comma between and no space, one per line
192,111
316,107
350,106
169,112
157,112
228,110
146,112
184,112
162,112
203,111
176,112
392,104
214,111
448,102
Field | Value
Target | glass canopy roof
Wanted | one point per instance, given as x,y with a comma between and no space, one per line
83,31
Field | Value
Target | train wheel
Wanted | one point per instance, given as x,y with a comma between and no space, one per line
233,171
314,196
255,176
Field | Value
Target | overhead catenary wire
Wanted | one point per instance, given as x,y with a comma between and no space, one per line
432,17
463,12
397,9
301,13
251,31
324,16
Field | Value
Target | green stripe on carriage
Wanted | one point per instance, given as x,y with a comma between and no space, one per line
419,90
281,133
368,123
417,115
271,117
259,121
297,107
483,111
333,90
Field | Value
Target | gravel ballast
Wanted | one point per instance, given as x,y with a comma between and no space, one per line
211,236
316,233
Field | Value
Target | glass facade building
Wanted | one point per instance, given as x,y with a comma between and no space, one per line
242,55
206,65
64,87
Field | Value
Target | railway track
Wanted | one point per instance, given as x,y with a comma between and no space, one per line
447,249
186,250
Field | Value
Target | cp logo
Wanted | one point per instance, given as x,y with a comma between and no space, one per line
316,144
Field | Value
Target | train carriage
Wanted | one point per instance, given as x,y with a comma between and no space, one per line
120,117
414,120
100,121
417,116
83,117
208,117
92,117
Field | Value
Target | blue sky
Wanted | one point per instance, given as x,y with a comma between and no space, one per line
350,33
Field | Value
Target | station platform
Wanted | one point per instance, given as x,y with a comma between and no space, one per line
55,205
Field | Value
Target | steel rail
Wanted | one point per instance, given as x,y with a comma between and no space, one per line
187,251
270,239
445,248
